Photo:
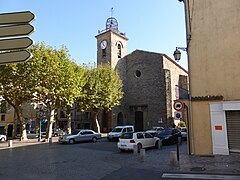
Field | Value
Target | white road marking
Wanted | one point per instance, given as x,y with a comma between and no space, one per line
200,176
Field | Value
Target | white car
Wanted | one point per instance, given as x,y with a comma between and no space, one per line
118,130
141,139
79,136
3,137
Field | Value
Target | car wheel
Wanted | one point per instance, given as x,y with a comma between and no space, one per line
3,139
94,139
71,141
139,146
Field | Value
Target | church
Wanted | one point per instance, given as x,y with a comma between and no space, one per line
151,82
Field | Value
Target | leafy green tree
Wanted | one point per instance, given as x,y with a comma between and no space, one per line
16,87
103,91
55,74
72,89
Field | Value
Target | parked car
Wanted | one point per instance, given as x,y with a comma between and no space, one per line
169,135
79,136
58,132
141,139
118,130
184,133
3,137
154,130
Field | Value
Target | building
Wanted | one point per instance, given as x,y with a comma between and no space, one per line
149,81
213,31
6,119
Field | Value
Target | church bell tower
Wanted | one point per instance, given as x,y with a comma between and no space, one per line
111,44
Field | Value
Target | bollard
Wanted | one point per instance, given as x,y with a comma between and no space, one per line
160,144
180,140
10,143
50,140
135,149
173,158
142,155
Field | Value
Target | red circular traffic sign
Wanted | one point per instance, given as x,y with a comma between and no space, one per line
178,105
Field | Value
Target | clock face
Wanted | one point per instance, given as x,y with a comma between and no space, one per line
103,44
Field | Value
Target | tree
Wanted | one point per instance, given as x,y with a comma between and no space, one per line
16,87
72,89
56,80
103,91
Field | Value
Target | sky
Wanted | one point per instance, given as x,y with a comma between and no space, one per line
150,25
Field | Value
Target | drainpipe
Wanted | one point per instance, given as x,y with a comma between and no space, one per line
188,38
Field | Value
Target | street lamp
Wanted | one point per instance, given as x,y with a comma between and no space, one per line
177,53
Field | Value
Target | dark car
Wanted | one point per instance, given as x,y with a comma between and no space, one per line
169,135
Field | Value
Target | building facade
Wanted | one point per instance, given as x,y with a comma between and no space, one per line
213,29
149,81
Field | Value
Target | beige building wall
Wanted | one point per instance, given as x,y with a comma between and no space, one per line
214,55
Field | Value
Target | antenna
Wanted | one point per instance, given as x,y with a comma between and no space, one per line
112,12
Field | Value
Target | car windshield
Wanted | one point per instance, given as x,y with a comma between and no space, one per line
165,132
126,136
117,130
75,132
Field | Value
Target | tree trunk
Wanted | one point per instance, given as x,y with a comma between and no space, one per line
23,132
68,114
49,126
95,123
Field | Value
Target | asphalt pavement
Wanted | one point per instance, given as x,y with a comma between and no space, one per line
157,164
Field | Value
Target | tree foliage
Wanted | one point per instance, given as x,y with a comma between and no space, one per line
17,86
103,91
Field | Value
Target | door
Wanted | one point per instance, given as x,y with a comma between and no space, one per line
10,131
233,129
120,119
139,120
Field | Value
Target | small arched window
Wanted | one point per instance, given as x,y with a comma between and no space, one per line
119,52
103,53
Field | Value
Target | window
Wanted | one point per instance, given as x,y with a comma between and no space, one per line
104,53
138,73
129,129
148,135
3,107
124,130
140,136
62,114
3,117
119,52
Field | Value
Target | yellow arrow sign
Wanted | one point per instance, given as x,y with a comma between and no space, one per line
16,30
16,43
24,17
15,56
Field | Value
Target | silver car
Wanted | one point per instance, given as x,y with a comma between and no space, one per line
79,136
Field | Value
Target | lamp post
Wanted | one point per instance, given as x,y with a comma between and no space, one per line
40,125
177,53
40,108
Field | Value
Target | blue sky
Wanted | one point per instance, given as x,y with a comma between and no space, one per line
153,25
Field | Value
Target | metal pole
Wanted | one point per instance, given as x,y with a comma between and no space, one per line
178,151
40,125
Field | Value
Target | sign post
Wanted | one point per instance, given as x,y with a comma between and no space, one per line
13,50
178,105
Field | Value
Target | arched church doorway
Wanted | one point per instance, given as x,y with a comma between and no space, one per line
138,121
120,119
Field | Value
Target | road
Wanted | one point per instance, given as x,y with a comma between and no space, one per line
91,161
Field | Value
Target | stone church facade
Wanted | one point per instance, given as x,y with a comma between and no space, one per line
149,81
